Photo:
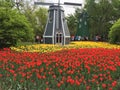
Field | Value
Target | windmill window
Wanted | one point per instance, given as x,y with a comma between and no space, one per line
79,26
80,20
85,23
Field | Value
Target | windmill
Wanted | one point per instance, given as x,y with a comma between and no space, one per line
82,29
56,30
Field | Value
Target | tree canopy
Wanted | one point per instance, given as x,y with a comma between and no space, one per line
102,14
20,21
72,24
36,15
14,27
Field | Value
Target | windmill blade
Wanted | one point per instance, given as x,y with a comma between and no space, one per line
75,4
42,3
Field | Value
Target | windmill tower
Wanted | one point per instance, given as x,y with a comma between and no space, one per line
56,30
82,29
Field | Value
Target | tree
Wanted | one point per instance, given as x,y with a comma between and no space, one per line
114,36
101,15
7,3
37,16
41,20
116,6
72,23
14,27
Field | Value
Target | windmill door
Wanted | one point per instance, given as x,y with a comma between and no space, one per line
59,37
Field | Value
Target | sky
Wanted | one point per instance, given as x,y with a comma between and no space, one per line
69,9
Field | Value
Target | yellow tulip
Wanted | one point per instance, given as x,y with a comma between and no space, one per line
52,48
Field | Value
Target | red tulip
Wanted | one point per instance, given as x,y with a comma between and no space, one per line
104,85
114,83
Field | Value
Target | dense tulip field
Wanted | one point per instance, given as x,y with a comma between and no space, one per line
93,68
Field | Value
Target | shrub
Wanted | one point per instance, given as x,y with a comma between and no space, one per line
114,36
14,28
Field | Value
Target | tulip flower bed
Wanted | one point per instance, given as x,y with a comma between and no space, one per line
73,69
42,48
